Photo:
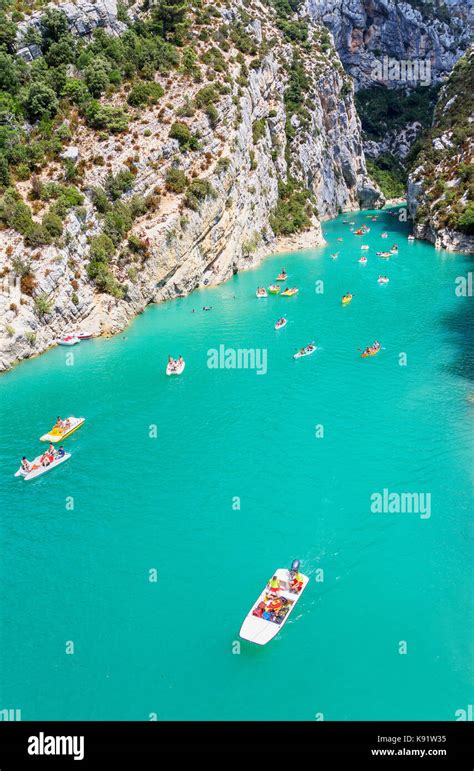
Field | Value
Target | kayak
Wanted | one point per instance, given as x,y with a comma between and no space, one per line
261,293
281,277
370,352
281,324
306,352
383,280
36,469
386,255
346,299
58,434
289,292
68,340
274,289
279,605
175,369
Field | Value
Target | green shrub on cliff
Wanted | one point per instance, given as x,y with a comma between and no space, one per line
291,213
197,192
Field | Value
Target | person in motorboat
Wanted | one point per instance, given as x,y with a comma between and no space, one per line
297,582
25,464
274,585
259,610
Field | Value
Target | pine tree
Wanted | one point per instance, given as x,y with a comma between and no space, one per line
171,14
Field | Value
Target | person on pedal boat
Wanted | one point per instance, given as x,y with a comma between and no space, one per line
61,452
274,585
25,464
59,423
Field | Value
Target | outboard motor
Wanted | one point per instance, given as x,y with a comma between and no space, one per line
295,566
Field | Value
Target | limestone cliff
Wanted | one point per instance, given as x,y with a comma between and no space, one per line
440,187
246,145
365,31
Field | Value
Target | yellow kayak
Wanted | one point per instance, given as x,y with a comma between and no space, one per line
346,299
58,433
289,292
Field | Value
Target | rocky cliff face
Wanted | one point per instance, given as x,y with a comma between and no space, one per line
255,148
83,19
440,187
365,31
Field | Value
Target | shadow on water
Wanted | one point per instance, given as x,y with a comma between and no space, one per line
460,325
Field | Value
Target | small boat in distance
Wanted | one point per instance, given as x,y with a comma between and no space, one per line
384,235
282,276
334,256
289,292
271,610
63,429
281,323
346,299
84,335
274,289
68,340
383,279
307,351
371,350
261,292
363,260
175,366
411,238
365,247
36,467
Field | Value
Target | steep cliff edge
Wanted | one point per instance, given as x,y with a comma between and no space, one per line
399,52
140,165
364,31
441,186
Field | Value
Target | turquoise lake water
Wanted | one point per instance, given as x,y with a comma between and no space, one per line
168,503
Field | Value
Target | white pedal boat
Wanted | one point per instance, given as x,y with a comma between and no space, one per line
261,631
261,293
175,369
58,434
36,469
306,352
280,325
